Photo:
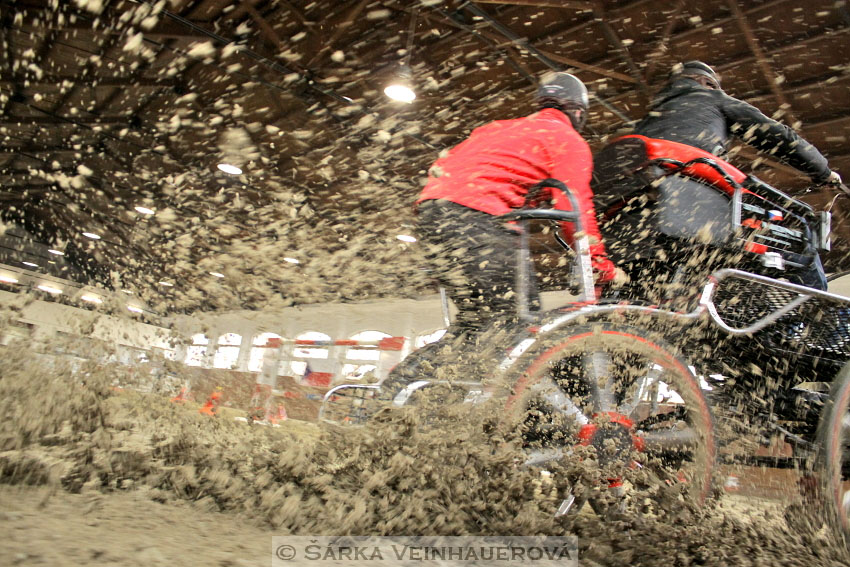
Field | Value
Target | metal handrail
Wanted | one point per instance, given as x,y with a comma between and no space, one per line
581,243
581,247
543,214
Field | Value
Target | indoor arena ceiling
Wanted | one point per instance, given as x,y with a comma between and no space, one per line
109,105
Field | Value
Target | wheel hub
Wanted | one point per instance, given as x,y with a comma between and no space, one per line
611,435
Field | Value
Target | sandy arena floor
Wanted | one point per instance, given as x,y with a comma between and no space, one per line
49,527
95,477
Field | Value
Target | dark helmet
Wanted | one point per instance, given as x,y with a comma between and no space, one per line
566,93
697,69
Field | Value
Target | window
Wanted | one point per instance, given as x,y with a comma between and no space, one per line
196,351
298,367
227,353
366,352
353,370
262,344
428,338
307,351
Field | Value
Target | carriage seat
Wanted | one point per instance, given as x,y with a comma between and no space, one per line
639,183
691,202
630,163
664,149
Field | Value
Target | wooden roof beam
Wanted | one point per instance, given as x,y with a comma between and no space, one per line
566,4
8,181
134,79
707,26
266,30
751,58
56,80
761,60
339,29
661,46
245,7
88,68
615,41
8,64
587,67
649,4
295,11
40,149
753,157
523,43
621,10
35,22
491,40
69,121
589,22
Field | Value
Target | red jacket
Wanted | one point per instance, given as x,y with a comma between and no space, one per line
492,170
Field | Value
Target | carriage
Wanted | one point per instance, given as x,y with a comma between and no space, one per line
723,323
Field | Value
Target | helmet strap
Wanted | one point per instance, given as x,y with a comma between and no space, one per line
577,116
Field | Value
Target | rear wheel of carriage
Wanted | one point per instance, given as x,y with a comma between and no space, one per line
621,400
833,458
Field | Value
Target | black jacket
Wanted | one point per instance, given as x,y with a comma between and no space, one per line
688,113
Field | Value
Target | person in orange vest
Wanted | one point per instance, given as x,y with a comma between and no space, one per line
211,406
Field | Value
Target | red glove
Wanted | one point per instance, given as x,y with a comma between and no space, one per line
603,268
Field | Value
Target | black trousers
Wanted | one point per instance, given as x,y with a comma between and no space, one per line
473,255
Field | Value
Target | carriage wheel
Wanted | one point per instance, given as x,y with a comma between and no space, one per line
833,460
624,394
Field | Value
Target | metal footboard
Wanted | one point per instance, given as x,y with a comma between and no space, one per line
743,303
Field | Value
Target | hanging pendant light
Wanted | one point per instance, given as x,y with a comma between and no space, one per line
401,86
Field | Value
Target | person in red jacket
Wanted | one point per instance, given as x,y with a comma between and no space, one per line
470,250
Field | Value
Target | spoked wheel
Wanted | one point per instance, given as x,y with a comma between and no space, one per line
616,399
833,459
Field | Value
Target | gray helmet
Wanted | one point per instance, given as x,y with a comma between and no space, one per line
565,89
565,92
698,69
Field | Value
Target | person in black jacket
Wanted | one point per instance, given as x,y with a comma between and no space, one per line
692,109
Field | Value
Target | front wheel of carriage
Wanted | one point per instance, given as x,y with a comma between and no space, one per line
832,463
615,400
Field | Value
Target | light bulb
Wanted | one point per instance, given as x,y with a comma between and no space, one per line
400,92
228,168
